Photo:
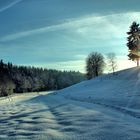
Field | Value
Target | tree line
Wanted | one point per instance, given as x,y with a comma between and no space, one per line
21,79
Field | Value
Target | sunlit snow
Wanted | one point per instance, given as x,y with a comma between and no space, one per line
104,108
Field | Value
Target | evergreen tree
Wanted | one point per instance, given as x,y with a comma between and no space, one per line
133,43
27,79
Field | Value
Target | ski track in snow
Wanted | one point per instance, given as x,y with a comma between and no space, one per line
59,118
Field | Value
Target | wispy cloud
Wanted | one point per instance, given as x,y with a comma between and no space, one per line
104,27
10,5
31,32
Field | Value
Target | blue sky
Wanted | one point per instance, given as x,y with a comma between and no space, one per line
61,33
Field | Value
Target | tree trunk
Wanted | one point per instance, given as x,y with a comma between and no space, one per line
96,71
137,62
113,70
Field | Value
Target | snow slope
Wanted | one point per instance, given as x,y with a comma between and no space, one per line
104,108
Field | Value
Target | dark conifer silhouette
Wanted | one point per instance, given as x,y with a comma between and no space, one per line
29,79
133,43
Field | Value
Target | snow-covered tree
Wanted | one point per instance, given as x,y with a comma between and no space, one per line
6,84
133,43
27,79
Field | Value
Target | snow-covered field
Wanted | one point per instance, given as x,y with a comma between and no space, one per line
105,108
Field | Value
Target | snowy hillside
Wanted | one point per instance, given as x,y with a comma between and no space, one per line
120,90
105,108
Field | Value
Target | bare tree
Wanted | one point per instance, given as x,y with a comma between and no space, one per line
112,61
94,64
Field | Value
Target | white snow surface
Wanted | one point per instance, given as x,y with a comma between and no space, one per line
104,108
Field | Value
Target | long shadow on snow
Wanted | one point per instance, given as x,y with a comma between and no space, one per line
53,107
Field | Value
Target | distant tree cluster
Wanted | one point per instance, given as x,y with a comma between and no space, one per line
95,64
29,79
